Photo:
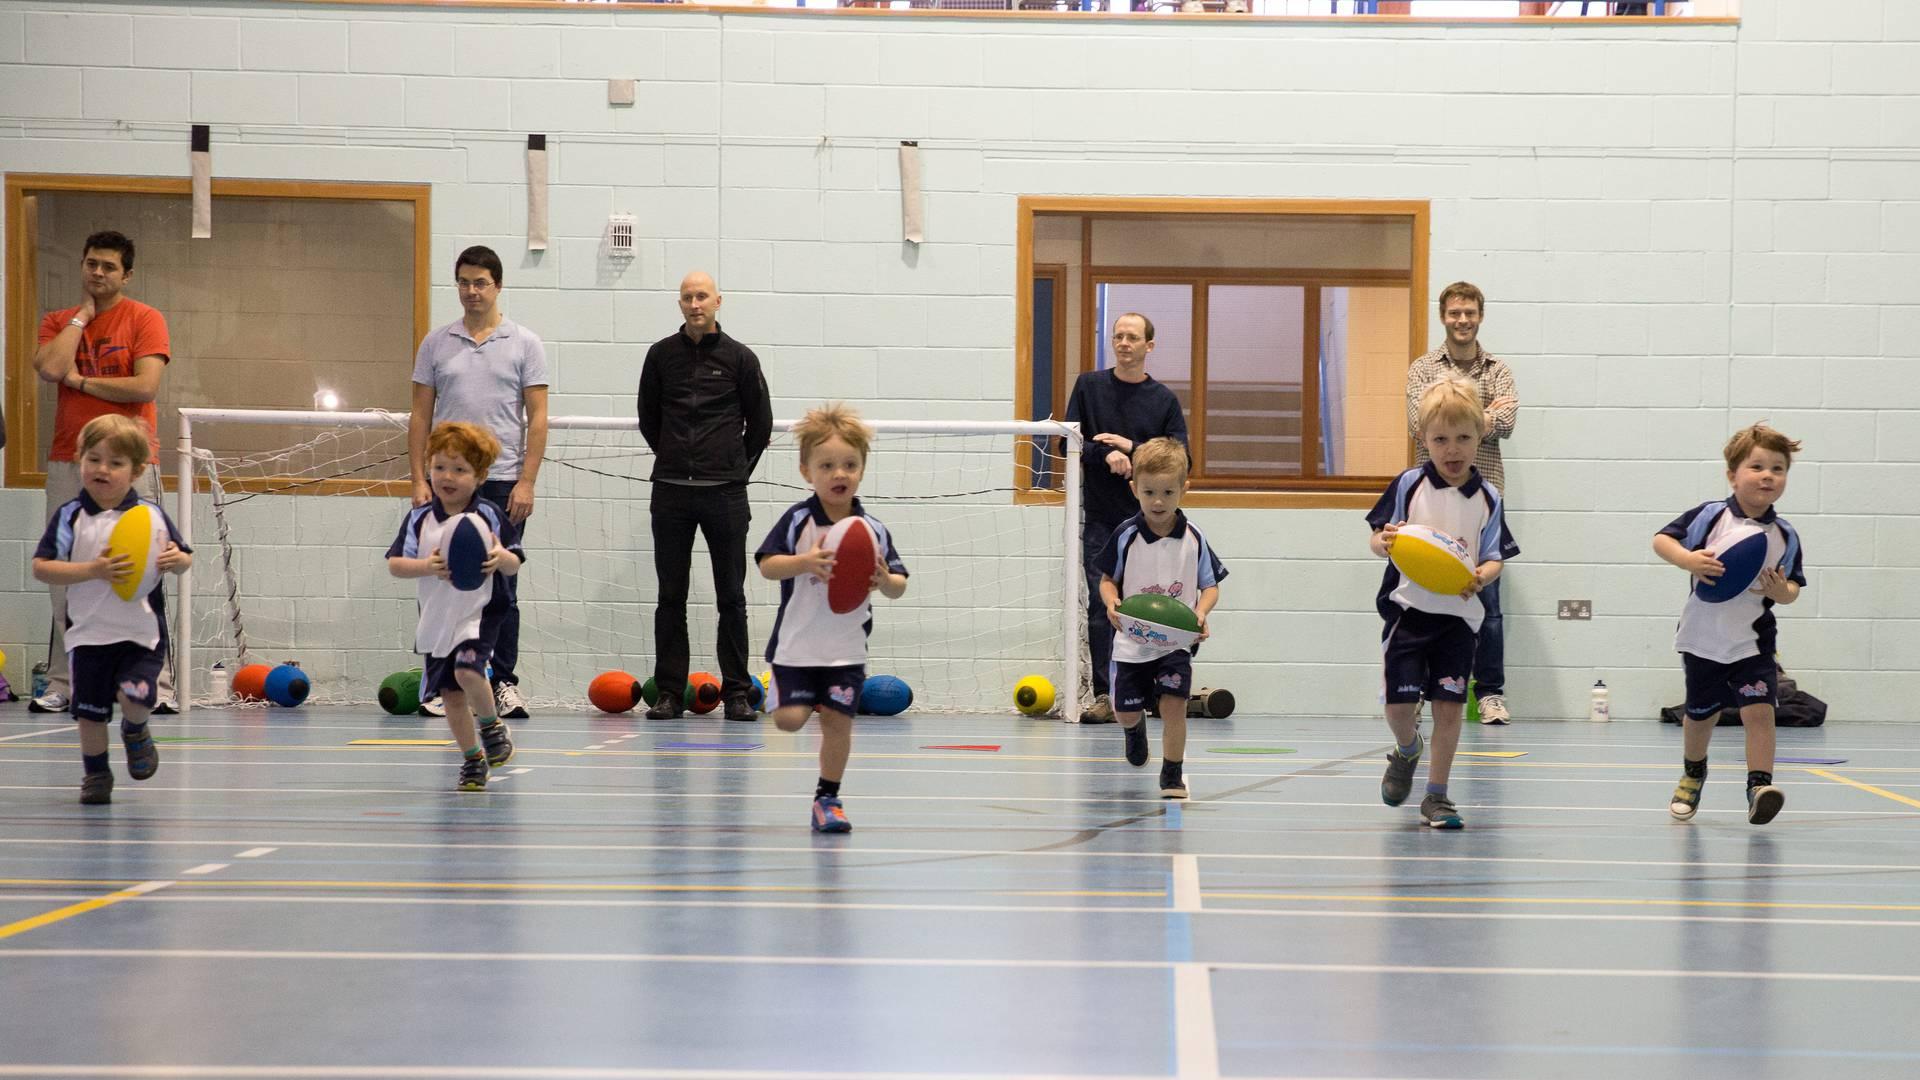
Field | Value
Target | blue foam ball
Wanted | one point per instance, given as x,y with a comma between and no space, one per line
287,686
1742,550
885,695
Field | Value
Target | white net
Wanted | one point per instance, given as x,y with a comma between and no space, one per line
291,545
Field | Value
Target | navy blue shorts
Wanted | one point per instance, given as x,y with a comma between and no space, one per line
836,688
1135,686
437,675
101,672
1712,686
1427,655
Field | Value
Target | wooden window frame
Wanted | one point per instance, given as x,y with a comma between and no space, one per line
24,312
1252,492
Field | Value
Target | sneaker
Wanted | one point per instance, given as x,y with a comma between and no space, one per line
1172,784
510,702
433,706
164,707
499,747
1763,803
51,701
1686,798
1493,709
828,815
1137,753
96,789
1439,812
1100,712
1397,784
738,709
473,774
143,758
668,707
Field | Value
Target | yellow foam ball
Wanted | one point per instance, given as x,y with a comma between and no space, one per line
1431,559
1033,695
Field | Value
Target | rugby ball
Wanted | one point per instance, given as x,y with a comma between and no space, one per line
1159,622
466,553
855,553
1742,549
132,536
1431,559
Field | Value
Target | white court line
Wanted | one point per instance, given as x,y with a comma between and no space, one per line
1196,1046
443,957
1186,883
500,1072
254,853
68,730
208,868
517,772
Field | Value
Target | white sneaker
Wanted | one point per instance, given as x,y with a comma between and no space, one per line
1493,709
166,706
510,701
433,706
51,701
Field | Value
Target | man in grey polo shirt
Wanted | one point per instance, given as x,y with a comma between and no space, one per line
486,369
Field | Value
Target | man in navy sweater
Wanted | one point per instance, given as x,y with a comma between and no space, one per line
1117,409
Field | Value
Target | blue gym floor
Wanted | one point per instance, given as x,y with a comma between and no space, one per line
278,902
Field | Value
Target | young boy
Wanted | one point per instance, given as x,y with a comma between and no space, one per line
115,647
1726,649
458,628
819,658
1157,551
1429,639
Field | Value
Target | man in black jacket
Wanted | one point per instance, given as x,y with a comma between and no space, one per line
705,412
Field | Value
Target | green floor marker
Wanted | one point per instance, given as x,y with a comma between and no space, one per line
184,738
1251,750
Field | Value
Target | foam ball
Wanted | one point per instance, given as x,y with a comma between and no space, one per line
287,686
756,695
1033,695
250,682
1742,549
614,692
885,695
400,693
703,692
1158,622
649,691
1431,559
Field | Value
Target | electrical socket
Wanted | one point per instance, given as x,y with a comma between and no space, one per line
1576,609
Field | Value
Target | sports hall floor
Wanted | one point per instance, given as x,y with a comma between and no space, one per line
279,902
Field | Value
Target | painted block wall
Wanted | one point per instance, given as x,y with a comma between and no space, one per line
1681,229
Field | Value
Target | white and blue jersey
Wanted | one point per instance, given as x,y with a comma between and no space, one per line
1181,565
449,616
1743,626
806,632
1471,513
79,532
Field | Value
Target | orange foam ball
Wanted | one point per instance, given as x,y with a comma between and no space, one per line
250,682
703,691
614,692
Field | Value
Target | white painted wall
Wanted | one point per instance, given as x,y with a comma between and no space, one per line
1681,228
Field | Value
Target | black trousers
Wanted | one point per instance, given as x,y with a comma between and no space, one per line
506,647
722,516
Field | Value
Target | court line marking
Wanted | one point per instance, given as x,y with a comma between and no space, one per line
67,730
1882,792
1196,1043
1186,883
501,1072
254,853
14,929
208,868
442,957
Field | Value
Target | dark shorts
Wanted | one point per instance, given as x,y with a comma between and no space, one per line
101,672
1712,686
437,674
1427,655
836,688
1135,686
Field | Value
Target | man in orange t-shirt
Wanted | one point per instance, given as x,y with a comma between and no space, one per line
107,354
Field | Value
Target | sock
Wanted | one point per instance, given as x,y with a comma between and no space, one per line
826,788
1756,778
1412,749
1437,789
130,731
94,763
1695,769
1171,768
477,753
487,721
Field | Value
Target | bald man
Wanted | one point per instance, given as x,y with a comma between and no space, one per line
705,412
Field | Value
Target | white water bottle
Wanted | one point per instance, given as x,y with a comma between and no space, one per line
1600,711
217,685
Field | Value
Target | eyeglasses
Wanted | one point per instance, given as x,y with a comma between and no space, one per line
465,285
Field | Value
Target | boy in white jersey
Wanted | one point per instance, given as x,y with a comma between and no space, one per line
1429,639
819,659
115,647
1157,551
1726,648
458,626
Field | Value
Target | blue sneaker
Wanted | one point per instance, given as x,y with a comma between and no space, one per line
143,758
1439,812
828,817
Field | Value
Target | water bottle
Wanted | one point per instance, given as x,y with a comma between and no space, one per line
40,679
1600,711
217,685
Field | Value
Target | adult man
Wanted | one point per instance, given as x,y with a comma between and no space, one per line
704,410
107,354
1117,408
1461,308
486,369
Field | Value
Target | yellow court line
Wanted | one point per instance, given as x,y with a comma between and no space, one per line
14,929
1576,901
1866,787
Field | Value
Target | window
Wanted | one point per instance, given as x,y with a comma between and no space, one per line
1284,327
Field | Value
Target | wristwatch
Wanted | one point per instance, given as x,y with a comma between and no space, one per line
77,321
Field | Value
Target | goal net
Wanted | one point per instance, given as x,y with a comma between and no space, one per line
295,510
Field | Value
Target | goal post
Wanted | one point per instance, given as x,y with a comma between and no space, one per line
290,514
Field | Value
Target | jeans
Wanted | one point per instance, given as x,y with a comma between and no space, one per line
1490,658
506,647
722,516
1093,540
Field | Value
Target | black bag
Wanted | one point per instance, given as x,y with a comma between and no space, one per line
1795,708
